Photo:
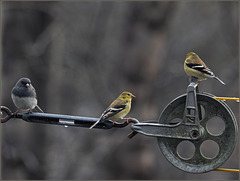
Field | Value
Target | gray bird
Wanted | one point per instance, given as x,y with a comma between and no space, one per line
24,95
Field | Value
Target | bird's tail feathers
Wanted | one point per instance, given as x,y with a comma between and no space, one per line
216,77
38,109
95,124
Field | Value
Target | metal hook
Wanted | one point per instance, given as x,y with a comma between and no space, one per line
9,114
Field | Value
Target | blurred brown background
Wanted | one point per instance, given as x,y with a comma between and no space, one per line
81,55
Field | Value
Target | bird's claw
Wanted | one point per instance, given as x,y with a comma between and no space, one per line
131,120
125,123
115,122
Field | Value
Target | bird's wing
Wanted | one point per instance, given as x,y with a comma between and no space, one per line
200,68
116,107
111,111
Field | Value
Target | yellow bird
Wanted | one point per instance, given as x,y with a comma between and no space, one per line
118,109
195,67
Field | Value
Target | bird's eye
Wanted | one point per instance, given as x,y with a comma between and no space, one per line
128,94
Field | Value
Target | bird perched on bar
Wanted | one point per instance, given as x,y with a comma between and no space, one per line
24,96
195,67
118,109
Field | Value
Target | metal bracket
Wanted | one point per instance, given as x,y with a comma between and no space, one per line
191,113
188,129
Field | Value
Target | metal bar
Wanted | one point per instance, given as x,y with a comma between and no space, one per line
65,120
191,113
78,121
178,131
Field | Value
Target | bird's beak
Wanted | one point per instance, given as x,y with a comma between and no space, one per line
27,85
133,96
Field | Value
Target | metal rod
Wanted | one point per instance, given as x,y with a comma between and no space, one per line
227,170
178,131
227,98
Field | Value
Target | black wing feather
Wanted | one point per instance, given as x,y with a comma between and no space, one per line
200,68
112,111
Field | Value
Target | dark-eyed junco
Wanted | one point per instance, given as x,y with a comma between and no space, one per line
24,95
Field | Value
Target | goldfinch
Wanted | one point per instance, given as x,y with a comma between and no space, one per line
195,67
118,109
